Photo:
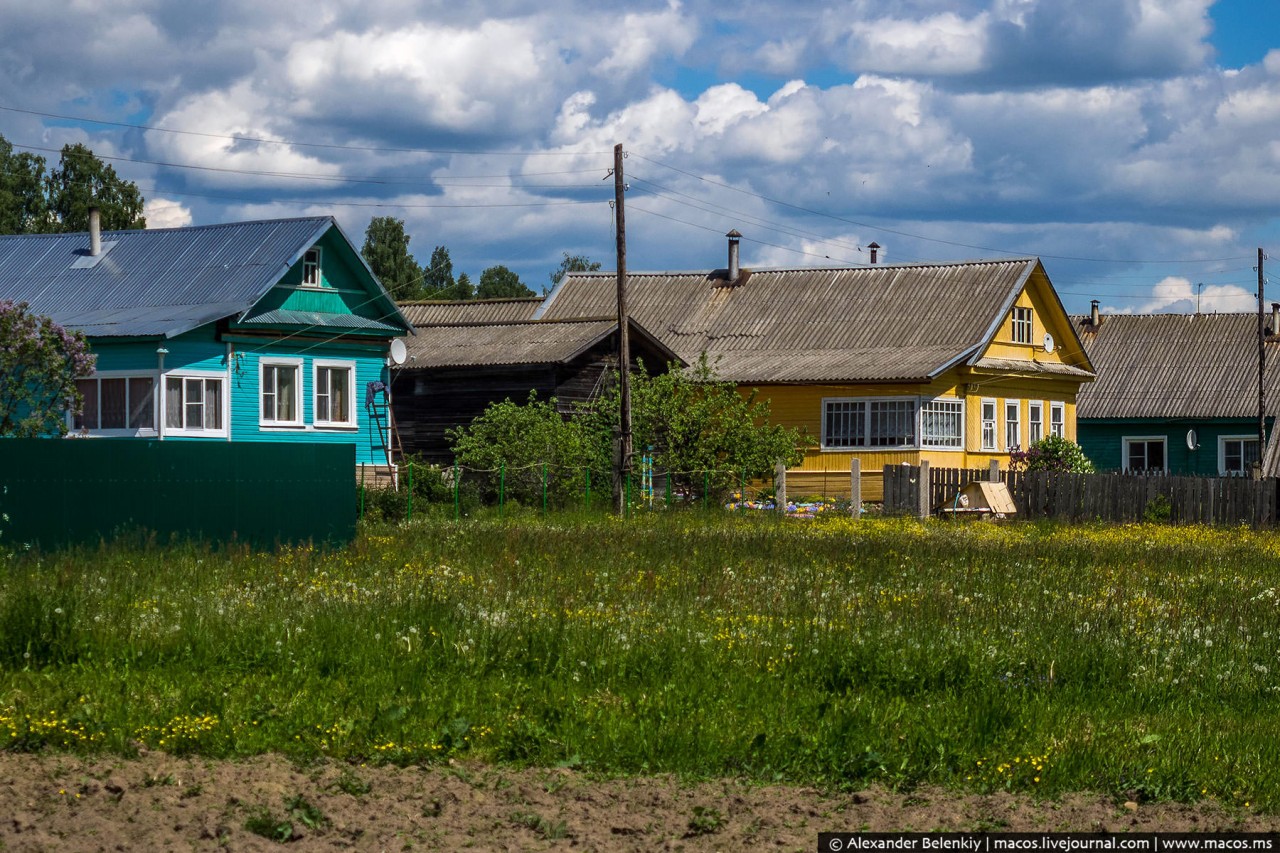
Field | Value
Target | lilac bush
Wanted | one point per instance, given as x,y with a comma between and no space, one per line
40,362
1051,453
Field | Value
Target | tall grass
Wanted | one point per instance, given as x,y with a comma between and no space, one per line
1137,660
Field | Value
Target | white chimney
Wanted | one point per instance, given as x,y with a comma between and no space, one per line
1094,318
1275,318
734,267
95,232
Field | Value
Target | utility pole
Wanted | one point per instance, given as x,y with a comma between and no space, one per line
622,453
1262,363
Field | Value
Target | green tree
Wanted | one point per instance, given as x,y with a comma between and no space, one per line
573,263
40,362
1051,453
463,288
498,282
437,278
509,443
23,206
82,181
386,249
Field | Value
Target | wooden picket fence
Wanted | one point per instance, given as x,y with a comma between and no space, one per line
1102,497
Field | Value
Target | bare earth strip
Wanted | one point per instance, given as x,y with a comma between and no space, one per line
159,802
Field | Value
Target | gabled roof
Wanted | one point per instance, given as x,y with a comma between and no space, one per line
879,323
517,342
433,313
161,282
1176,366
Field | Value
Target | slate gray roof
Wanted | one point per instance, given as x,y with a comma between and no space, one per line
430,313
160,282
880,323
1176,366
510,343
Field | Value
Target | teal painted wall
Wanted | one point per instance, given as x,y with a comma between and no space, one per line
344,280
246,399
1103,441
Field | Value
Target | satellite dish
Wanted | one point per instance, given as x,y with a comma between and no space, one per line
1191,440
1048,342
398,351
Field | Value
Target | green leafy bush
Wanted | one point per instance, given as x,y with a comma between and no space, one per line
1052,453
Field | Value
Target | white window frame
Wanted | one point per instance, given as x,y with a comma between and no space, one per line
989,424
333,364
299,420
311,263
1129,440
1058,419
224,403
127,431
1035,421
1023,325
1222,453
1015,422
950,406
866,404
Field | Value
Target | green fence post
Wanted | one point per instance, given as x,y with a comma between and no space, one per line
668,490
706,487
456,472
586,501
544,488
410,511
362,493
742,491
626,506
502,487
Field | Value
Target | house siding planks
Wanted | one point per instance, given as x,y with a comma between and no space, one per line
1103,441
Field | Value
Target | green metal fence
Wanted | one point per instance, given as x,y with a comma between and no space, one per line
58,492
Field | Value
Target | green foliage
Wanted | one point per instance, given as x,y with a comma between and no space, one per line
573,263
40,362
386,250
423,484
701,429
1157,510
1051,453
508,445
33,202
438,281
498,282
82,181
24,209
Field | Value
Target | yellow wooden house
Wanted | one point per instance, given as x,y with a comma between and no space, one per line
955,363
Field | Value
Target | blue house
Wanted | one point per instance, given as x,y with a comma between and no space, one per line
273,331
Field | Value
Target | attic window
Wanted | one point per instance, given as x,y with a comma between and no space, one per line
311,268
1022,325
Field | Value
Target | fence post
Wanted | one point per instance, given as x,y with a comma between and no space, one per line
666,480
626,503
362,492
706,487
780,487
455,491
502,487
925,493
993,472
742,491
855,488
544,488
409,512
586,501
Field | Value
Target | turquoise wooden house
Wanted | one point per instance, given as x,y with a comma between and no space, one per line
271,331
1177,393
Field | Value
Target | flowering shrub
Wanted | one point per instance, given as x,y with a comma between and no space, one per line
40,362
1051,453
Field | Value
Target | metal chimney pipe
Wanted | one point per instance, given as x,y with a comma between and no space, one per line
1275,318
1094,318
875,249
95,232
734,267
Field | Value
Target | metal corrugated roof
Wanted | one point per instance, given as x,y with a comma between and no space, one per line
284,317
1176,366
504,343
878,323
153,282
472,311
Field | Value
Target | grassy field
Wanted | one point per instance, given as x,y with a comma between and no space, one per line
1136,660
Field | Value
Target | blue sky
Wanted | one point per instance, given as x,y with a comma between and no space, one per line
1131,144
